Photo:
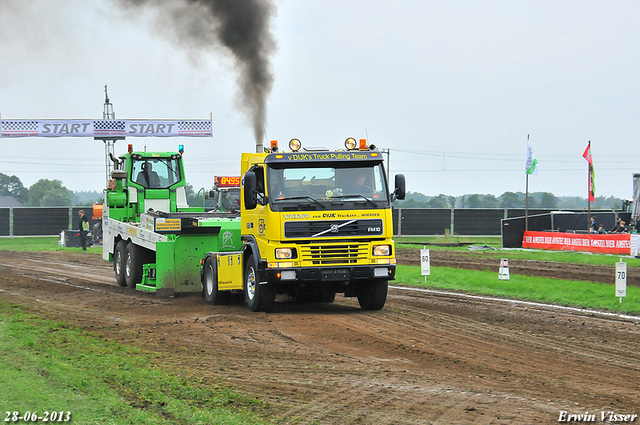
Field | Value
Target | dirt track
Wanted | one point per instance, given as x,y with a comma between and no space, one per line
426,358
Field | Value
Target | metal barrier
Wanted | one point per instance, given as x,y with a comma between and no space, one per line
48,221
41,221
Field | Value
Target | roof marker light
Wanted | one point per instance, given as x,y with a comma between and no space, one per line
130,148
363,144
181,149
274,146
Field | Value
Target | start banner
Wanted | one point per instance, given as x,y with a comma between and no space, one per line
617,243
105,128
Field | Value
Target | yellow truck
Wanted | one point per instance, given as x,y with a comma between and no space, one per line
314,223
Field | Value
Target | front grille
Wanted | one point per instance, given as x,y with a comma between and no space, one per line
323,255
333,228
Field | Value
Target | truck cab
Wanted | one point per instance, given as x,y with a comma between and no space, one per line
147,180
317,222
225,195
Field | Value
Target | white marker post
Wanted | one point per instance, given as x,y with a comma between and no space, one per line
503,273
425,263
621,280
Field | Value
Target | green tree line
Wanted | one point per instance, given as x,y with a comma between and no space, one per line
48,193
544,200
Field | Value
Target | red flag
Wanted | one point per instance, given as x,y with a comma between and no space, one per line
587,153
592,185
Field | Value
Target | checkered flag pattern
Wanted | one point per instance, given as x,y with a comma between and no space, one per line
19,127
188,126
108,125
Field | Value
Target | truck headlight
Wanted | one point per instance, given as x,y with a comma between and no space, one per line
284,253
381,250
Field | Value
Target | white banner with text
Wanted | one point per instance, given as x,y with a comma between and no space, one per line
105,128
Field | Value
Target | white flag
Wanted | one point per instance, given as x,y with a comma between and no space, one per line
532,162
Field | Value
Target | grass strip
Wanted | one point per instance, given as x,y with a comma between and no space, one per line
38,243
49,366
552,256
581,294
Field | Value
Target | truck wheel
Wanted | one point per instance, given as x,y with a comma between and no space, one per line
258,297
118,262
132,265
210,284
372,295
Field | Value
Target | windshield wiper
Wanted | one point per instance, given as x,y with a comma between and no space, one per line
355,195
293,198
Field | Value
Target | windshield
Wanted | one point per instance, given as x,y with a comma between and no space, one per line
229,200
321,187
154,173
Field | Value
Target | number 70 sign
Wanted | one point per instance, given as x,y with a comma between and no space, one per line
621,280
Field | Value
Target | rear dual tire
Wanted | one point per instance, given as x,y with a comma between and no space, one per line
119,262
133,265
127,263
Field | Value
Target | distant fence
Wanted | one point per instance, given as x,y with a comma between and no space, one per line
462,221
41,221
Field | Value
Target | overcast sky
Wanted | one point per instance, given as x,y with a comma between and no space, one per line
451,89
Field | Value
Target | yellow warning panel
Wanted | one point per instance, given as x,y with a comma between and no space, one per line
168,224
229,271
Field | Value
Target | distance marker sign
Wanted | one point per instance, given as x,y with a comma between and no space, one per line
621,280
425,262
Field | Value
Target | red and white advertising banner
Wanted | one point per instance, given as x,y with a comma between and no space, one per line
105,128
616,243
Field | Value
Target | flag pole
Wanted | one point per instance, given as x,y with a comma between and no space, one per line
526,195
526,206
589,194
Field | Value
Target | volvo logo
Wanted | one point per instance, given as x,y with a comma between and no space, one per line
294,216
335,228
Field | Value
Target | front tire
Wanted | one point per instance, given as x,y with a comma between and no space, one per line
133,265
373,295
118,262
258,297
210,283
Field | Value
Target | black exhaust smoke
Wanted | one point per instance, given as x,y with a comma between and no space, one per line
240,27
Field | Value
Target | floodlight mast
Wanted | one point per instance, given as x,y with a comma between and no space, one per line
109,143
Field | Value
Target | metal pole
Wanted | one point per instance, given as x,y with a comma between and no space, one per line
387,152
589,196
526,207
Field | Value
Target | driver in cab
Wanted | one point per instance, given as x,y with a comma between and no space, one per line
147,177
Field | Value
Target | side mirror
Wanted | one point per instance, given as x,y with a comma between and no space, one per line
401,188
249,190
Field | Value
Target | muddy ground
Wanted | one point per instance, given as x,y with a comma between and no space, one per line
426,358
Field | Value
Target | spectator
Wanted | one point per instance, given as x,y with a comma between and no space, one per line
84,229
601,229
615,226
622,228
593,227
